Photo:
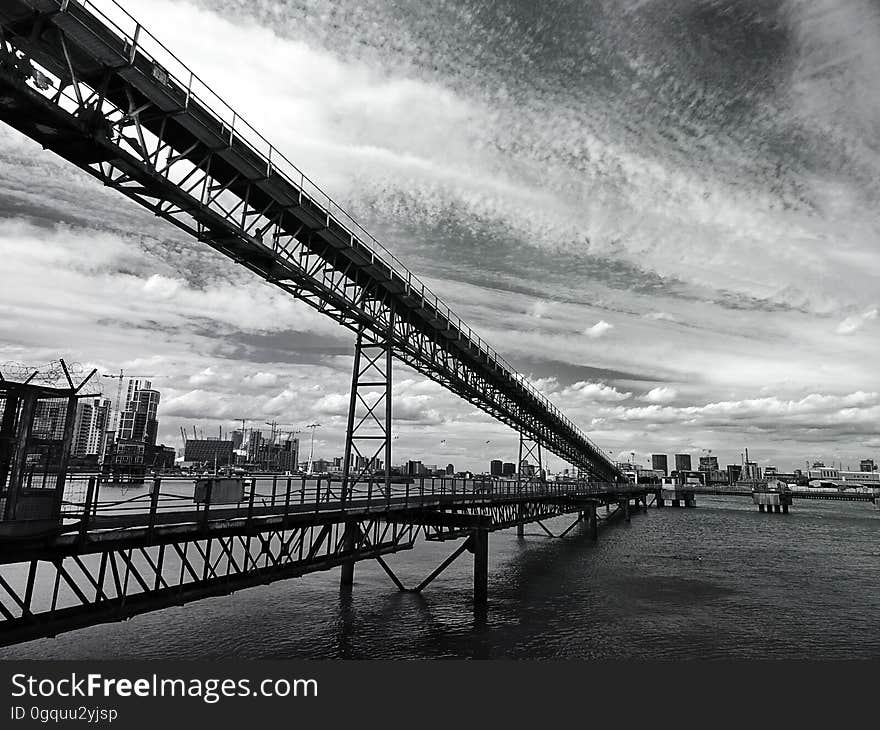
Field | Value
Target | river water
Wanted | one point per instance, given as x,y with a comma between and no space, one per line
718,581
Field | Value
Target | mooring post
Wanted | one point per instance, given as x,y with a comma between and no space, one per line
348,544
480,549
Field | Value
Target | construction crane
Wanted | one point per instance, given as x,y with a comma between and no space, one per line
312,426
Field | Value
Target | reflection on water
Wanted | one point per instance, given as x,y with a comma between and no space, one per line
717,581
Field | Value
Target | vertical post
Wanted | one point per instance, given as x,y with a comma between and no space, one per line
480,548
154,500
352,403
87,508
626,508
593,523
348,544
388,369
207,508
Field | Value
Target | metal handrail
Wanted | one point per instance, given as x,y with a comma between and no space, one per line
238,126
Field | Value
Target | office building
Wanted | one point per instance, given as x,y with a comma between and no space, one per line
90,427
508,469
659,462
734,472
867,465
496,467
682,462
138,421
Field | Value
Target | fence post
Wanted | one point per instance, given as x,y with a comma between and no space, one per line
207,508
154,501
250,513
87,507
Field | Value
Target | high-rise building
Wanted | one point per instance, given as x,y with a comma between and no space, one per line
138,423
708,463
496,467
867,465
682,462
734,472
450,470
90,427
414,468
659,462
508,469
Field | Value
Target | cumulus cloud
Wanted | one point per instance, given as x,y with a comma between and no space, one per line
591,393
599,329
661,394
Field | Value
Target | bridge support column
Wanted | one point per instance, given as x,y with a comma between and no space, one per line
520,528
368,432
480,548
349,540
593,523
625,505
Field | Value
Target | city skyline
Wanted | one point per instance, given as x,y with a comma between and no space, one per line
688,305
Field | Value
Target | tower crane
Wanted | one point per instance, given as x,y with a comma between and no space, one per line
312,426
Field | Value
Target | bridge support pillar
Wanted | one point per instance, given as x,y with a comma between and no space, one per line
349,540
785,509
625,505
368,432
593,523
520,528
480,548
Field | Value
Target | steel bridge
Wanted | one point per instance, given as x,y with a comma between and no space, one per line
112,558
89,83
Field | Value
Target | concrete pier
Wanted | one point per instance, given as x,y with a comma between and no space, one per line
772,502
677,496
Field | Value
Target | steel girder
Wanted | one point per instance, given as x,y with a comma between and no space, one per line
72,591
91,95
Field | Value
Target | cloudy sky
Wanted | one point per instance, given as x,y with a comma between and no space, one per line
664,211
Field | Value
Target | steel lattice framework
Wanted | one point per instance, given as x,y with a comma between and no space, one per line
88,82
